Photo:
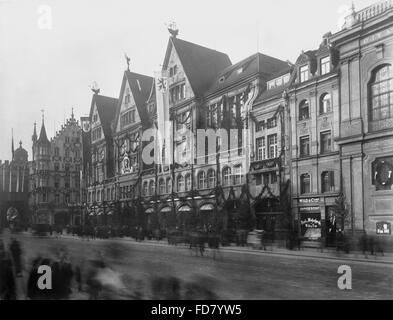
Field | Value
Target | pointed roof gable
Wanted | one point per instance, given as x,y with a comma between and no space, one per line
201,65
106,107
140,86
43,137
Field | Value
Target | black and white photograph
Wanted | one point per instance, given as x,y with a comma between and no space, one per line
210,151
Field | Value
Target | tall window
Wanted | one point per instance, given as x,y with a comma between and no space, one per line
145,188
272,146
325,103
178,93
168,185
261,148
271,123
304,146
151,187
202,181
325,65
188,182
304,74
381,95
326,142
161,186
180,183
327,180
304,110
238,175
305,183
211,178
226,176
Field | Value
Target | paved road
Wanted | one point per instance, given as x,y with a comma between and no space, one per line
231,275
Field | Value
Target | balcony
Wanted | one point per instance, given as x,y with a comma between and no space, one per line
374,10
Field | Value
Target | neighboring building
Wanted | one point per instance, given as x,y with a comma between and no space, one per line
14,183
55,194
315,158
366,117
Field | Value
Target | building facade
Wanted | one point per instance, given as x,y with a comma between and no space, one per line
55,177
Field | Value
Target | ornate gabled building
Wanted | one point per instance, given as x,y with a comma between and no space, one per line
55,176
14,188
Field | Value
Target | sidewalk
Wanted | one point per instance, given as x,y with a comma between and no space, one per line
314,253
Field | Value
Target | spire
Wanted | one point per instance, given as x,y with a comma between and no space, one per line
34,137
43,137
12,144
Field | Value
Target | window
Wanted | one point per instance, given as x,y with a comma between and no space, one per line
96,134
325,65
188,182
108,194
304,74
57,182
226,176
260,125
258,179
168,185
273,177
67,139
151,187
145,188
202,182
56,151
178,93
327,180
211,178
113,194
172,71
271,123
67,153
325,103
326,142
304,146
381,95
127,118
238,177
305,183
265,179
304,110
95,118
261,148
180,183
272,146
127,98
57,166
161,186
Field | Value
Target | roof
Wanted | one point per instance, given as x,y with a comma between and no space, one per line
266,65
43,137
141,87
106,107
201,64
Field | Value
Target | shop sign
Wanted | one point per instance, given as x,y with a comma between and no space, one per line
384,227
306,209
309,200
311,223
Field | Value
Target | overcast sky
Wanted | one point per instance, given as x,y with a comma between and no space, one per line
53,68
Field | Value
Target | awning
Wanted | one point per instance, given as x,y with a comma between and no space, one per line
111,212
184,209
166,209
91,213
207,207
100,212
150,210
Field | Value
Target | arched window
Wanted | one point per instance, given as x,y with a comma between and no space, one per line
325,103
180,183
188,182
161,186
305,183
151,187
226,176
304,110
381,93
145,188
211,178
202,182
168,185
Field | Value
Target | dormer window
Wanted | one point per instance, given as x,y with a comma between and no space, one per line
325,65
304,73
172,71
127,98
178,93
95,118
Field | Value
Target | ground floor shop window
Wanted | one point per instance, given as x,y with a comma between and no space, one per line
310,224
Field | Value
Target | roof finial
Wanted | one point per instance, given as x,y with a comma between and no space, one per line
42,111
172,28
20,144
128,59
94,87
72,113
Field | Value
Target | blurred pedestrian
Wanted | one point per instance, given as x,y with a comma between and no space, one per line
16,253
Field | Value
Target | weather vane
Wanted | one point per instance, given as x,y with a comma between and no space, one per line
94,87
128,61
172,28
